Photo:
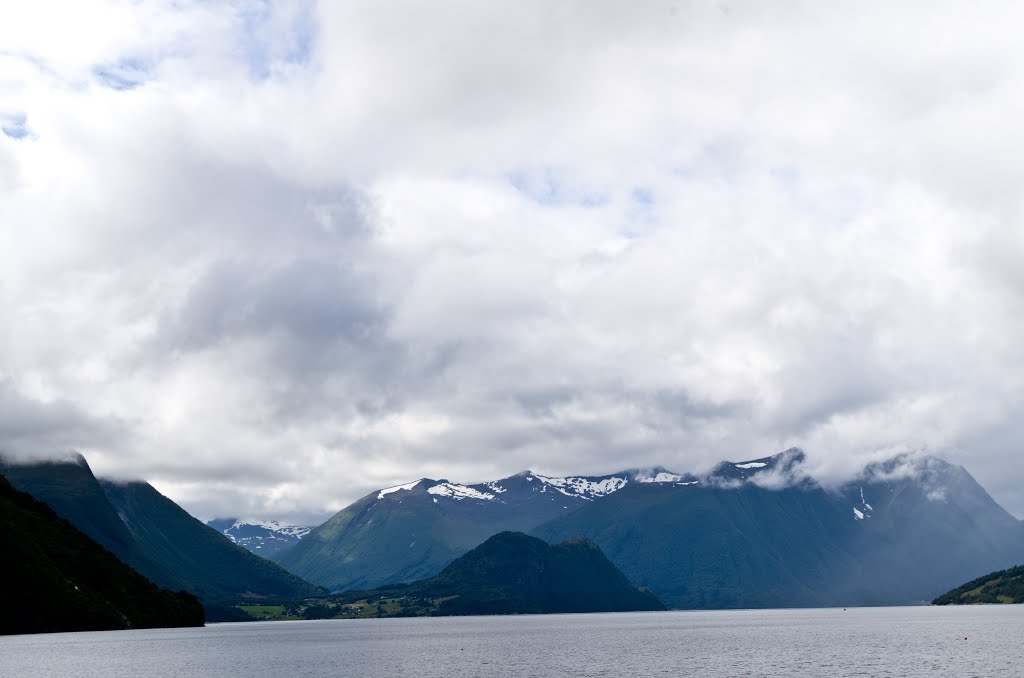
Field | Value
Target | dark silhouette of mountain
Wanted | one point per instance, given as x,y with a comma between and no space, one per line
412,531
58,579
1004,586
154,535
512,573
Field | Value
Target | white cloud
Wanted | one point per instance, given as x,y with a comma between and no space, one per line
275,255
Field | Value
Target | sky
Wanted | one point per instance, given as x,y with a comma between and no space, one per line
271,256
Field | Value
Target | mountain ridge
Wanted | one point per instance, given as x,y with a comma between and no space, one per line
899,534
411,531
262,537
152,534
894,512
58,579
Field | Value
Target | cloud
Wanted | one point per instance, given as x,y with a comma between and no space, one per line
273,256
36,429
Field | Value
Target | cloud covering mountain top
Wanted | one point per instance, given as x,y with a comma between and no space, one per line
271,256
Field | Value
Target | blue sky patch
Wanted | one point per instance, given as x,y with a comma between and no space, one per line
643,196
124,74
294,47
545,187
14,125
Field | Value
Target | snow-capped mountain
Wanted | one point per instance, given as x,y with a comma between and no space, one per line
262,537
585,488
762,534
411,531
747,533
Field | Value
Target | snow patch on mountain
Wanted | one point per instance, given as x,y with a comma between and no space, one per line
864,501
258,535
586,488
660,477
751,464
864,510
458,492
297,531
396,488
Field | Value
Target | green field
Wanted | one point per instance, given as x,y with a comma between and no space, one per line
268,611
328,609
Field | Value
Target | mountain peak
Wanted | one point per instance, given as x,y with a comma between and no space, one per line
262,537
78,459
399,488
909,464
658,474
783,463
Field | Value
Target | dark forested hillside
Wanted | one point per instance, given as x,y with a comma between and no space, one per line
513,573
195,554
1004,586
154,535
55,578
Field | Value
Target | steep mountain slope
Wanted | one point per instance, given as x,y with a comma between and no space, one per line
906,531
705,547
71,489
196,555
927,525
55,578
153,535
512,573
265,538
412,531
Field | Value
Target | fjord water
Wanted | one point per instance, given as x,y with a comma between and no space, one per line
904,641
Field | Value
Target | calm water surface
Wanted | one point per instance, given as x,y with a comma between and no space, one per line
907,641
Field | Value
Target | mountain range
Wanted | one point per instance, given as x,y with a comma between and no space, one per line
754,533
412,531
153,535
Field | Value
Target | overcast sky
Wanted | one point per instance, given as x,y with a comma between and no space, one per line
271,256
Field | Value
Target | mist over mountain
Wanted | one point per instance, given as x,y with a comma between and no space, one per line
906,531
